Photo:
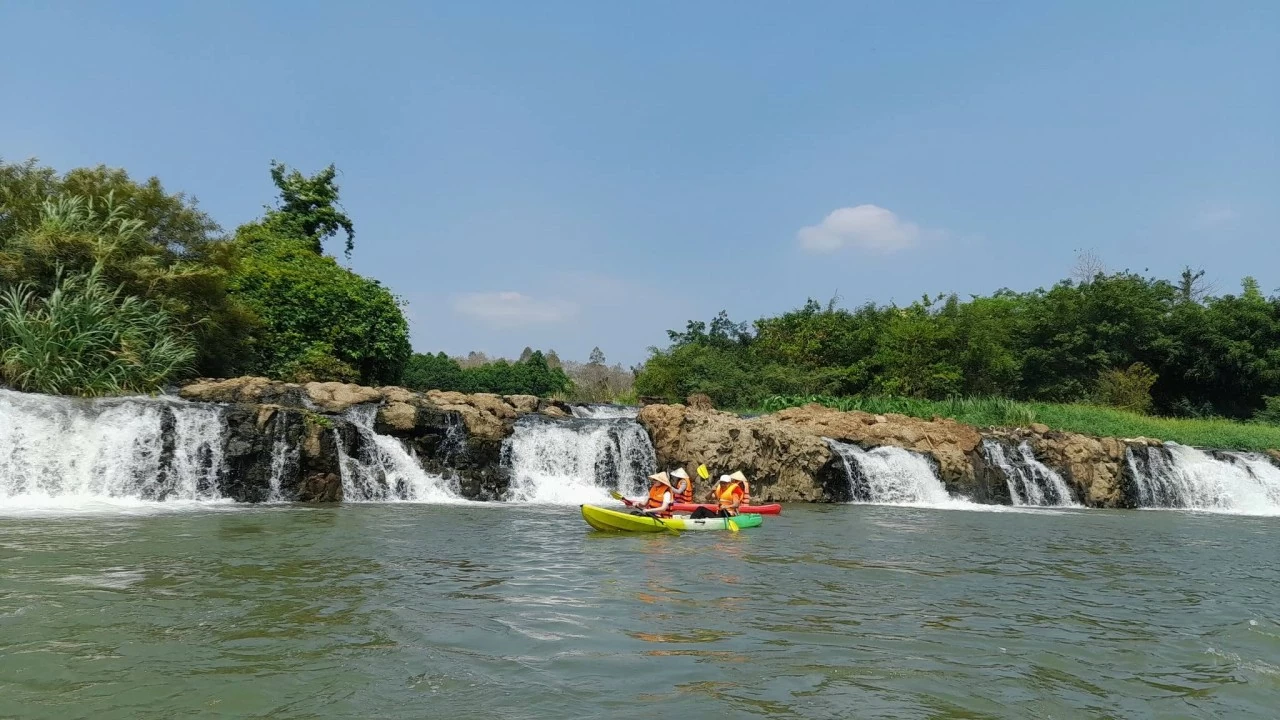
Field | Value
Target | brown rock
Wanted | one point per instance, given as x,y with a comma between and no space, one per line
398,415
320,487
398,394
554,411
1039,428
337,397
700,401
246,389
947,441
522,403
784,464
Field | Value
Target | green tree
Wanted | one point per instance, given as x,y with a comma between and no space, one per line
156,245
308,207
434,372
313,309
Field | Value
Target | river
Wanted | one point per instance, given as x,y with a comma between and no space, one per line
506,611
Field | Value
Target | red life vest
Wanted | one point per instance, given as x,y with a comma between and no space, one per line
656,491
684,491
728,493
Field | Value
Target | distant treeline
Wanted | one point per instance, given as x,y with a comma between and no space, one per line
1119,339
534,373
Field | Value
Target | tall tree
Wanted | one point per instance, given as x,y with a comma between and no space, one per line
309,208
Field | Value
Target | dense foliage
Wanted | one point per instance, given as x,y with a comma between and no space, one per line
531,375
87,338
113,285
152,244
1139,343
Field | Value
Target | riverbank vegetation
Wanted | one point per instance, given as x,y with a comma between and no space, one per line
1080,418
112,285
1122,340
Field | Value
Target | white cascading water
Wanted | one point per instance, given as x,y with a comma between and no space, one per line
1178,476
577,461
1030,481
285,457
384,470
64,452
891,476
604,412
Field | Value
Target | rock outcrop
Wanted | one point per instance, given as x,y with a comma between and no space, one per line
452,434
784,463
788,460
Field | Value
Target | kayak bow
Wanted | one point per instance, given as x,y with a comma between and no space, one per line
614,521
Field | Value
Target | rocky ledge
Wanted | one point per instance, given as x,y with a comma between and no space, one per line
788,455
452,434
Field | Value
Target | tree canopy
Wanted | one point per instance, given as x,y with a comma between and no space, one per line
1107,339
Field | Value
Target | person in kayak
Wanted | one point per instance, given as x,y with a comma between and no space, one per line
659,500
746,486
682,485
727,495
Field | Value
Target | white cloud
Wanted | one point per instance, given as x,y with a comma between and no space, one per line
862,227
1210,218
512,309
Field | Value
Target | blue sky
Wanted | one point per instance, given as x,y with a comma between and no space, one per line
565,175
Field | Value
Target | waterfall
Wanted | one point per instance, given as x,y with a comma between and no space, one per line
67,452
383,470
285,457
1177,476
576,461
604,412
891,476
1030,481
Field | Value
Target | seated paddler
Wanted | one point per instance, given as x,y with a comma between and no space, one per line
660,497
726,495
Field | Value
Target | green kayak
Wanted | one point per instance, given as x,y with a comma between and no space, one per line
615,521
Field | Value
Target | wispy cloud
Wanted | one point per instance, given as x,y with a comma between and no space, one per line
863,227
512,309
1209,218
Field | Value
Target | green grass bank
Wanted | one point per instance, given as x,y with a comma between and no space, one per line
1085,419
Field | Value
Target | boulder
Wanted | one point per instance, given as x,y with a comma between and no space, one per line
948,442
783,464
335,397
700,401
398,417
522,403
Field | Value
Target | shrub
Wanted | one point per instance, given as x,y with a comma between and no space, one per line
1128,388
86,338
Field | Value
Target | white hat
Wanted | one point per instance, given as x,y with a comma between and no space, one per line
662,478
737,475
680,473
724,478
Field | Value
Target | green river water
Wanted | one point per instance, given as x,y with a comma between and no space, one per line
422,611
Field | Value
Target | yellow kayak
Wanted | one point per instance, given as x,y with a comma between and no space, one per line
615,521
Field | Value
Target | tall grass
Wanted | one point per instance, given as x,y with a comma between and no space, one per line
1086,419
87,338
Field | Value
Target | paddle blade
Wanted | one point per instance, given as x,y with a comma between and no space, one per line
703,472
733,526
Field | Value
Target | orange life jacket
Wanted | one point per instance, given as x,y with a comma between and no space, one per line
684,492
746,493
656,491
727,493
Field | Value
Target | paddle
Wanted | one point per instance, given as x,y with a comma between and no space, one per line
618,496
